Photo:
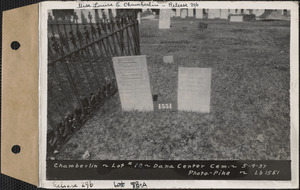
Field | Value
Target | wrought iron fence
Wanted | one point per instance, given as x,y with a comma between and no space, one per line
80,70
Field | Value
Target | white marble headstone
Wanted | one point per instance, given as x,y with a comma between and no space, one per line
177,12
194,87
236,18
258,12
98,15
133,83
214,13
164,18
224,13
106,12
246,11
199,13
114,12
190,12
139,17
217,13
183,13
232,11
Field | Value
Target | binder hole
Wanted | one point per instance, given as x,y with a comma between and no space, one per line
16,149
15,45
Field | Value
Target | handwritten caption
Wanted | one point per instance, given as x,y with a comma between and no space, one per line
144,170
191,169
90,184
143,4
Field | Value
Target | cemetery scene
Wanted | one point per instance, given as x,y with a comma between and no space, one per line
168,84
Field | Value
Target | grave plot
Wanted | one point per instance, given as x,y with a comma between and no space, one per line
249,97
80,71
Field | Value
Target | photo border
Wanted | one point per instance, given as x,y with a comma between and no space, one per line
294,102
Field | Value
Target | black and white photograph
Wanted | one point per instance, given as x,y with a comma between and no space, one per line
220,78
150,94
169,85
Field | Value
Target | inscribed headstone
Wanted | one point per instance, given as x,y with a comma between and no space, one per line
194,86
183,13
190,12
133,83
224,13
199,13
164,18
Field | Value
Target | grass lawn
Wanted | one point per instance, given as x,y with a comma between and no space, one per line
249,116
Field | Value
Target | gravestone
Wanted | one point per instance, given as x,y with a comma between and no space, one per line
190,12
173,13
258,12
106,13
114,12
224,13
183,13
288,13
210,14
98,15
168,59
139,17
214,13
177,12
133,83
232,11
164,18
194,86
246,11
199,13
236,18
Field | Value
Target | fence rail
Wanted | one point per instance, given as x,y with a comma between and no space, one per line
80,71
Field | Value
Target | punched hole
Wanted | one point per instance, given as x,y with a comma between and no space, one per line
15,45
16,149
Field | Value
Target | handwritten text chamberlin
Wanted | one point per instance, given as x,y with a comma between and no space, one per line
141,4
